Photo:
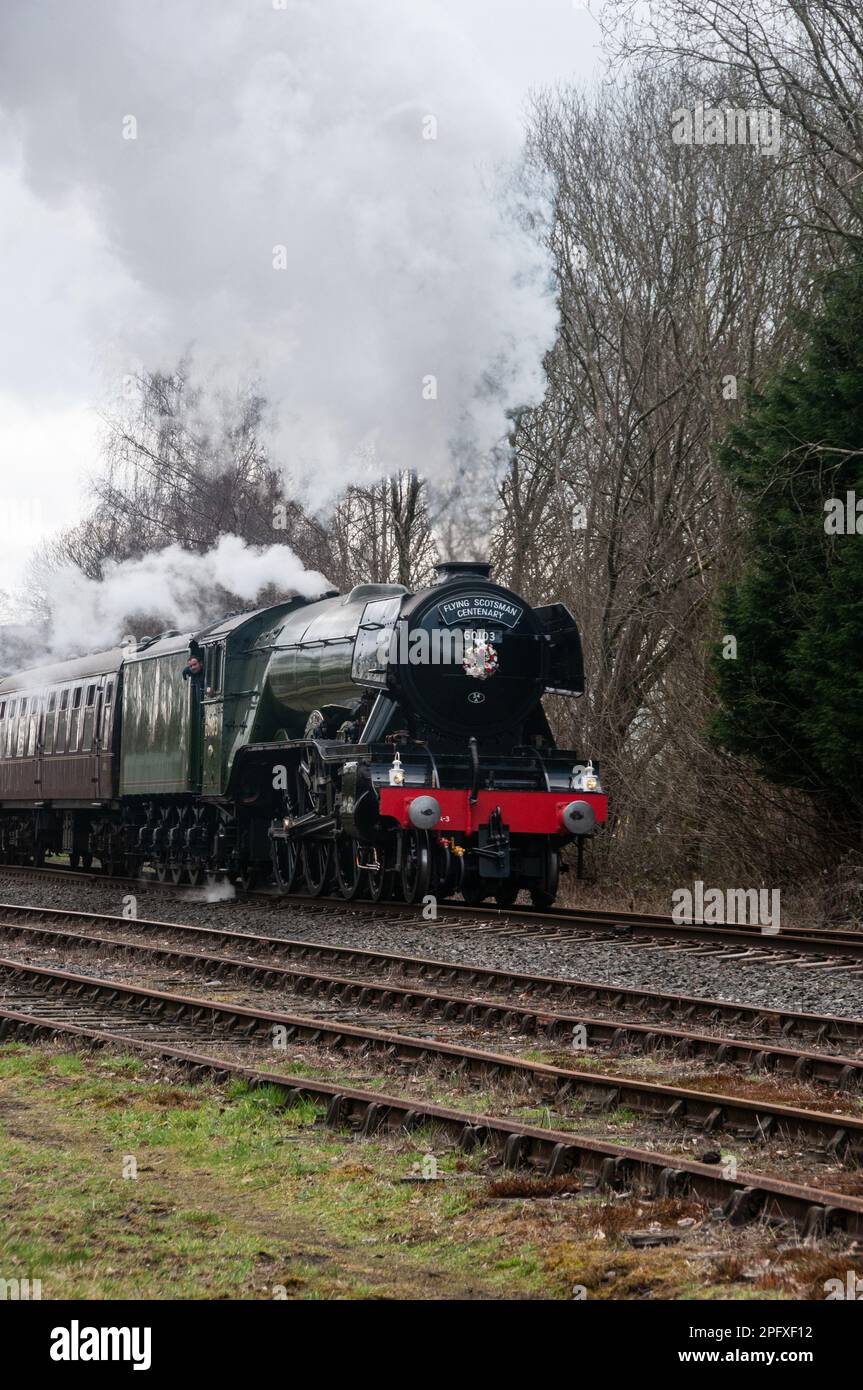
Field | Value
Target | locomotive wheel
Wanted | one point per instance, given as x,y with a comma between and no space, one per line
349,875
159,855
285,853
544,892
286,863
446,873
197,858
416,866
506,894
316,858
377,880
473,888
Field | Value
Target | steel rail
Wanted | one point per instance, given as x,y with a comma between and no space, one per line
811,1212
826,1030
840,1134
836,1071
618,925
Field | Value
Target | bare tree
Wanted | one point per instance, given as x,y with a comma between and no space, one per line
679,274
801,58
382,533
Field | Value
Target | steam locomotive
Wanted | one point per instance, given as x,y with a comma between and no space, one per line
383,743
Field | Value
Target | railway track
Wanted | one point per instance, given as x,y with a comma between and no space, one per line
831,948
809,1212
100,1001
514,1002
47,1002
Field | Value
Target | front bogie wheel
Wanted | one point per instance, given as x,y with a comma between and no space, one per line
506,893
377,876
544,891
416,865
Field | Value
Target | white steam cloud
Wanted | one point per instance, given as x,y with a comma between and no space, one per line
314,191
185,588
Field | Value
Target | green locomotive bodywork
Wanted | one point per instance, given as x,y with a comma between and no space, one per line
265,673
312,657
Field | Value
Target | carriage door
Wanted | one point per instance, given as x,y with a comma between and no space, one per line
39,745
97,741
214,704
106,736
89,734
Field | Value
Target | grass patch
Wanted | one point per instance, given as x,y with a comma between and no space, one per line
119,1181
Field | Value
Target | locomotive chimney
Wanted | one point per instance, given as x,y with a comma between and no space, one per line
449,570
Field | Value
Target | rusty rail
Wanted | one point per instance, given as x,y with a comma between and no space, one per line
840,1134
811,1212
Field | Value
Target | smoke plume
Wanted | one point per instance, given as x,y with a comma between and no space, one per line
318,194
186,589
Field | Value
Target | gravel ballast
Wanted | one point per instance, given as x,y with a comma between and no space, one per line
777,986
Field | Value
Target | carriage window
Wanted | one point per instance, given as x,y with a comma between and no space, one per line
74,720
87,721
106,710
62,720
22,729
33,726
48,723
10,734
2,709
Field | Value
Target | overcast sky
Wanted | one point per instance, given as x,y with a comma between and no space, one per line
79,299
